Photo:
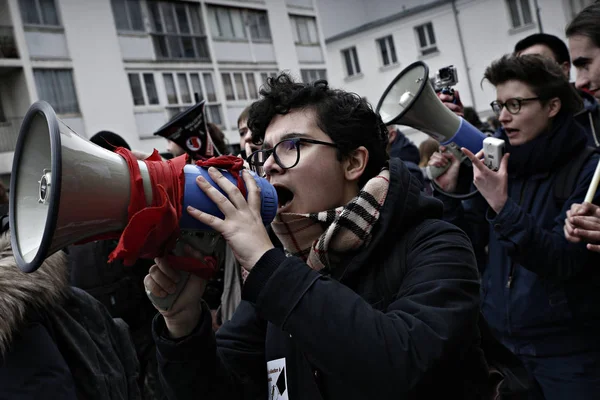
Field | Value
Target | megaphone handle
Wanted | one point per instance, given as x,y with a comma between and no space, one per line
434,172
165,303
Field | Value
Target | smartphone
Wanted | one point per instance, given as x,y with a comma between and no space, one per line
493,151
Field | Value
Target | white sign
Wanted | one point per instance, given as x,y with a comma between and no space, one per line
277,378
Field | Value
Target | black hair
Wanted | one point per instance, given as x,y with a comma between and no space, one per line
544,76
472,117
345,117
555,44
586,23
109,140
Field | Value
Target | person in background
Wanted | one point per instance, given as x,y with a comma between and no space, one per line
554,48
583,220
248,147
56,341
539,291
401,147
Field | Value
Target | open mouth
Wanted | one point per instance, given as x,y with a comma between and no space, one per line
510,131
284,196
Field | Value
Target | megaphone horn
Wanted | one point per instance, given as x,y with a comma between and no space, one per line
65,189
411,100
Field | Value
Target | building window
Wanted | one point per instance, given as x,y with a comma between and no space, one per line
312,75
305,30
240,85
387,50
351,60
39,12
258,24
57,88
128,15
520,12
230,23
177,31
426,38
578,5
143,89
187,88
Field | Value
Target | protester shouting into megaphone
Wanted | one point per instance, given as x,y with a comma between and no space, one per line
372,296
532,277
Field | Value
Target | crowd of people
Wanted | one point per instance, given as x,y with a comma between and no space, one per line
369,283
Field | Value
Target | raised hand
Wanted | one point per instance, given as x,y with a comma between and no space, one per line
493,185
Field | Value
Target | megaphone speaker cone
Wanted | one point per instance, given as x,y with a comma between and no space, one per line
410,100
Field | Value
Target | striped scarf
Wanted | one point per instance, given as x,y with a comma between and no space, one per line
321,239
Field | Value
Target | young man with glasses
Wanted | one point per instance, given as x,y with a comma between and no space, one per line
372,297
540,293
583,220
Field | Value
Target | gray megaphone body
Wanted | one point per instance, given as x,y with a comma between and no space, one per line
411,100
65,189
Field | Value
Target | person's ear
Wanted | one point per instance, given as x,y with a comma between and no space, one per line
356,163
554,105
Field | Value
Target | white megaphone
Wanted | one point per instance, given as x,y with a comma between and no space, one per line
411,100
65,189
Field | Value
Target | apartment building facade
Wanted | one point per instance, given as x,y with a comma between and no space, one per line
468,34
128,66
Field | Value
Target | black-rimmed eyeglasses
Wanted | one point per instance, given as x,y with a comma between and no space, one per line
512,105
286,154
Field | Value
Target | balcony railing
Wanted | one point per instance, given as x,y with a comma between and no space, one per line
8,46
9,132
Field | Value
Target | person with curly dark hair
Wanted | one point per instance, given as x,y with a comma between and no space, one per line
372,295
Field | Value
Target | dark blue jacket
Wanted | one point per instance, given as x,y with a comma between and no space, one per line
339,338
540,293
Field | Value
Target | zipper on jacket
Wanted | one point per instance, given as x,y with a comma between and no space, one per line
510,275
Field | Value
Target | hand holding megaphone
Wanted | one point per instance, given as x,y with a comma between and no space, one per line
163,281
444,167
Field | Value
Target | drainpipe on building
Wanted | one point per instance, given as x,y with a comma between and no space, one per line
464,54
537,13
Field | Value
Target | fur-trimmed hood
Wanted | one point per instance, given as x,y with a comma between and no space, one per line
22,293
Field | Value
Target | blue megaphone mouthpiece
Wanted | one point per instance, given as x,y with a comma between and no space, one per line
195,197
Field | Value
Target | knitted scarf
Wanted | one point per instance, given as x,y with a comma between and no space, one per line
321,239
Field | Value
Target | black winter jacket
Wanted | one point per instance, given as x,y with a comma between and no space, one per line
338,337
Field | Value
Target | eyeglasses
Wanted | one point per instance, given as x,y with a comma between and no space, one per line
513,105
286,154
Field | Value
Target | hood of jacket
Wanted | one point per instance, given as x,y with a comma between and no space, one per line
24,294
405,206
